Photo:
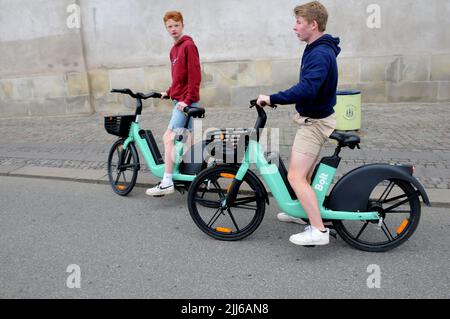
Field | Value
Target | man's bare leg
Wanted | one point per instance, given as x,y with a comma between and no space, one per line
300,170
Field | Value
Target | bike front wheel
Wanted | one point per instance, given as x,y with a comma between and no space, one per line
206,195
123,167
398,204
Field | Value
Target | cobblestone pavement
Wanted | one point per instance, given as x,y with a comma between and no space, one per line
406,133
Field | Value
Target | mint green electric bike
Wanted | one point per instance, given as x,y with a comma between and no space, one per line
123,159
374,207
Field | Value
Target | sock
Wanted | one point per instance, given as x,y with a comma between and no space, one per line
167,180
322,231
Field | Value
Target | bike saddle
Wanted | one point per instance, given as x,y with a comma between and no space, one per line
196,112
345,139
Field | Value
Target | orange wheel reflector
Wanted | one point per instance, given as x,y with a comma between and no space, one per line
402,226
222,137
223,230
121,187
226,175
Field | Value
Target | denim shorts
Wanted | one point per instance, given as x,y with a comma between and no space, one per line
178,119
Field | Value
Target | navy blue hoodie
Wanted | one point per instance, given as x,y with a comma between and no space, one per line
315,94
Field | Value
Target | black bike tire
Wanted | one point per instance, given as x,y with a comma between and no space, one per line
135,158
250,180
415,212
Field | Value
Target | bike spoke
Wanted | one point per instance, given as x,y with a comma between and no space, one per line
208,203
212,191
203,192
244,200
215,217
123,157
217,186
117,179
387,191
394,198
362,230
387,232
399,212
249,207
119,152
126,166
232,218
128,157
387,210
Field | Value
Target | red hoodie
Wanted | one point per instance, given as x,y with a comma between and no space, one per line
186,71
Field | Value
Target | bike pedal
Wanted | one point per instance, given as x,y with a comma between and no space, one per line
333,234
159,195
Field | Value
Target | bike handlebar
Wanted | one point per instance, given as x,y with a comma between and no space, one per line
262,117
253,103
139,95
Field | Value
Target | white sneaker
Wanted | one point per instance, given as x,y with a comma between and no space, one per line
283,217
159,191
311,236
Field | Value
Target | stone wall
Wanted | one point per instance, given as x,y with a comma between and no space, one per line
47,67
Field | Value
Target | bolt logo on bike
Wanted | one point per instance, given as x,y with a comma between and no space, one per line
374,207
323,182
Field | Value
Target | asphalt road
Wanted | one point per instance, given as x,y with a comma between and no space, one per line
142,247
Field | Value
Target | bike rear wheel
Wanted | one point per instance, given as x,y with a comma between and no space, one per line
398,204
209,190
123,167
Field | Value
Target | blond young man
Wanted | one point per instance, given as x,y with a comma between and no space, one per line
314,97
184,91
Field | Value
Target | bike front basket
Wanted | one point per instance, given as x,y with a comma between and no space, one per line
119,125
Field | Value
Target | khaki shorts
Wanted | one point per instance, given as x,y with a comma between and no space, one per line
312,133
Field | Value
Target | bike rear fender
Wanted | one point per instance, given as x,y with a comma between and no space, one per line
352,191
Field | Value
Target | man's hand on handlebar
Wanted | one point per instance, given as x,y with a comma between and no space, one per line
164,95
263,100
181,106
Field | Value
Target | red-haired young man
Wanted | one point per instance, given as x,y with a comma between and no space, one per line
184,91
